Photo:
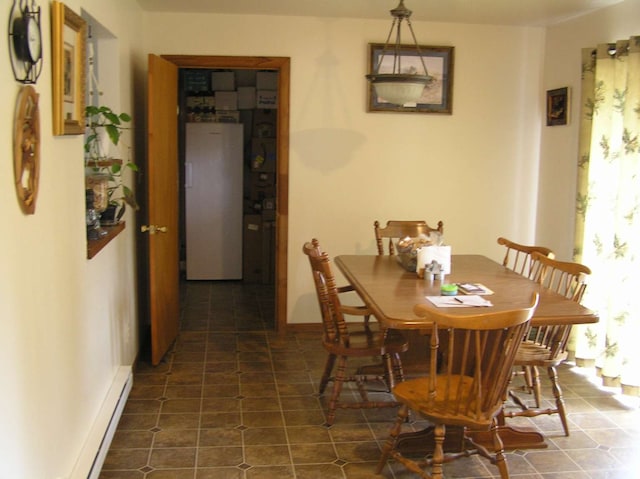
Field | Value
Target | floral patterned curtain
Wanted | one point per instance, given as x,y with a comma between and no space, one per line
608,212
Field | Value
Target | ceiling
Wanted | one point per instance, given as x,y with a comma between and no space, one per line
494,12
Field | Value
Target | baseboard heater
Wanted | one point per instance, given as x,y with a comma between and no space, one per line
95,449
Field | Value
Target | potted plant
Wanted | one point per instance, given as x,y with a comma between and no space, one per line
104,126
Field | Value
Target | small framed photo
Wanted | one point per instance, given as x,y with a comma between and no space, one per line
68,31
558,106
437,97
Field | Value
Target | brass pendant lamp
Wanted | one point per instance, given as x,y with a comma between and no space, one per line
399,87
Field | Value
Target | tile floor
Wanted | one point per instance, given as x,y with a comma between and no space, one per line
234,400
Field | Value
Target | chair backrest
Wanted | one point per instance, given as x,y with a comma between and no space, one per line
395,230
565,278
518,257
471,369
333,322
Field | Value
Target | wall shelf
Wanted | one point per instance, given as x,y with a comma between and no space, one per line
95,246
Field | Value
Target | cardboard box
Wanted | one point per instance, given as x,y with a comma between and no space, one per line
267,80
226,100
266,99
246,97
263,154
227,116
224,81
245,78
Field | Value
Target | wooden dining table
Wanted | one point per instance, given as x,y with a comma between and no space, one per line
391,292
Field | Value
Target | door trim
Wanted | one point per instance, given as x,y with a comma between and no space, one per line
283,66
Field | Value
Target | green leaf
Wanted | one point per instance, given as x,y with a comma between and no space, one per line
91,110
113,132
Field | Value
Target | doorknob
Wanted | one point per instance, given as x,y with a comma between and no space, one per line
153,229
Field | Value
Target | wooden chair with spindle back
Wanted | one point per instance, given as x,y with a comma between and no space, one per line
471,357
395,230
546,346
343,341
517,258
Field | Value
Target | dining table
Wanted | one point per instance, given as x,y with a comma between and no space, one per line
391,292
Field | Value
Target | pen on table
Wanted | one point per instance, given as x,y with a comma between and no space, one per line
458,300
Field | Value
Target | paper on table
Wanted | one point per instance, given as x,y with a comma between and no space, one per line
466,301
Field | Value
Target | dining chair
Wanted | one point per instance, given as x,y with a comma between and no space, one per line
517,256
546,346
470,367
395,230
343,341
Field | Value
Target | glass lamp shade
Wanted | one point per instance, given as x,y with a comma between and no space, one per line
398,88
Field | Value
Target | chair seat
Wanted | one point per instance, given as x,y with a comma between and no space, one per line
373,343
413,393
533,354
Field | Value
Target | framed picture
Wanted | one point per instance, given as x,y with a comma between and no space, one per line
69,33
437,96
558,106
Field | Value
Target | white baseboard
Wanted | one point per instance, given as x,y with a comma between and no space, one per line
95,449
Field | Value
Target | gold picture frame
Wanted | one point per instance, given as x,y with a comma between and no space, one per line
69,33
437,98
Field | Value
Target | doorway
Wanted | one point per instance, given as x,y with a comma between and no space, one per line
281,65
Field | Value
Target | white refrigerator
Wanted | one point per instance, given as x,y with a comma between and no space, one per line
213,200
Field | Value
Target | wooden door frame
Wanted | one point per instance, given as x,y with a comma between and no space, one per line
283,66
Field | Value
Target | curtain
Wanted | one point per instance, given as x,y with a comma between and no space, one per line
608,212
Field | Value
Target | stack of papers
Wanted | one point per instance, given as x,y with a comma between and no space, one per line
474,288
465,301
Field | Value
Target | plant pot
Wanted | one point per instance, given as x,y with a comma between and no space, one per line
112,215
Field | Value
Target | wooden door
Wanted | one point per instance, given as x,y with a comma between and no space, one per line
162,205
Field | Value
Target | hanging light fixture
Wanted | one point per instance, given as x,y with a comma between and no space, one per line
398,86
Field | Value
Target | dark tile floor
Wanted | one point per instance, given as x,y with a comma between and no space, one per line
234,400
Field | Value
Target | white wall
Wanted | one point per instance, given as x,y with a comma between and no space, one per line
559,144
476,169
66,323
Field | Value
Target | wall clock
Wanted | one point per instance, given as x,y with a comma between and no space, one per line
26,149
25,41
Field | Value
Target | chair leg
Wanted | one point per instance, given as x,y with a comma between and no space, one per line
438,452
388,372
390,445
326,375
527,373
337,389
397,368
557,393
535,381
498,448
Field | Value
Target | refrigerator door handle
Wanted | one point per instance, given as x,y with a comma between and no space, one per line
188,174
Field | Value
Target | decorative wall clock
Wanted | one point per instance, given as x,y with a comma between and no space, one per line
26,149
25,41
